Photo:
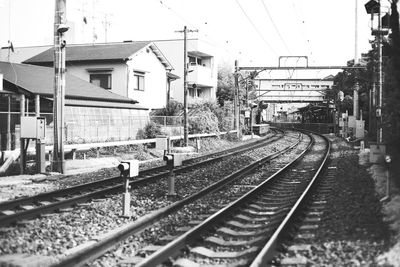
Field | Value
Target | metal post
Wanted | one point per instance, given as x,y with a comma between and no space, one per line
126,199
355,101
59,87
22,141
185,90
37,105
236,100
8,145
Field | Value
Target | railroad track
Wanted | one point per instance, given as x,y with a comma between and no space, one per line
95,248
30,207
246,232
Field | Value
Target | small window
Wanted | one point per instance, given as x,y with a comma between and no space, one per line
102,80
192,60
138,81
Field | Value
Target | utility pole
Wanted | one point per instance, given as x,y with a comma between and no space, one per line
185,86
380,78
236,100
59,86
356,86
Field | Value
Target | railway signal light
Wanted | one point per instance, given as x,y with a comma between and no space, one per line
128,169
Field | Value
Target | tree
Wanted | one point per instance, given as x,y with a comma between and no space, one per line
225,86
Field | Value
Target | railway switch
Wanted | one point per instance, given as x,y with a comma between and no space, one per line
128,169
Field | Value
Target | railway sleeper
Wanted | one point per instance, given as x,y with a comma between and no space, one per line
218,241
228,232
182,262
206,252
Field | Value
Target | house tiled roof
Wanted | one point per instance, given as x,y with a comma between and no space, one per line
109,51
40,80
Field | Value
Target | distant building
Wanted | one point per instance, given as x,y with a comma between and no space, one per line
203,68
138,70
92,114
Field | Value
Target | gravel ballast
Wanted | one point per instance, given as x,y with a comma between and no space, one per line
53,234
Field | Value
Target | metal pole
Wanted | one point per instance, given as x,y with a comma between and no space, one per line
37,105
185,90
59,86
356,86
22,140
356,34
8,145
237,125
380,79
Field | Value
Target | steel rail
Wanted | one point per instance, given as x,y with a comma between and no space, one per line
173,248
93,251
32,212
12,204
267,252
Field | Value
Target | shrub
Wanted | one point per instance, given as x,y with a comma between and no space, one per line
151,130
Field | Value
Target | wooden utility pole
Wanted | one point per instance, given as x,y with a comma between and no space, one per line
185,86
59,86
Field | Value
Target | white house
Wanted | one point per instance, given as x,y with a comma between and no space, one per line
137,70
202,63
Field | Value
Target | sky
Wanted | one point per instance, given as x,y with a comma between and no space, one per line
255,32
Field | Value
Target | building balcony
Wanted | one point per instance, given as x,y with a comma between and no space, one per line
201,76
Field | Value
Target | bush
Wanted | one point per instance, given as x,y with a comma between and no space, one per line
174,108
224,115
151,130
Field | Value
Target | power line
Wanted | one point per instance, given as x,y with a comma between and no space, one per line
255,27
208,38
303,28
276,28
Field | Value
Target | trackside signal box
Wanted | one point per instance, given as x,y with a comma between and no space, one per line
129,168
33,127
162,142
173,160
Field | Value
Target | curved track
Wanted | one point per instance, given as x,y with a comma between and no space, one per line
92,250
247,231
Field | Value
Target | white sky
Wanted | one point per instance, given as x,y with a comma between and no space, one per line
323,30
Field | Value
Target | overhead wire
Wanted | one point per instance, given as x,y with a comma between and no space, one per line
303,28
255,28
276,28
214,42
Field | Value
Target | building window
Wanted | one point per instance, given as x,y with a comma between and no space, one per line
102,80
138,81
193,61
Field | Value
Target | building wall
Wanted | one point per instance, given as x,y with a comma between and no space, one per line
94,124
118,74
154,95
205,77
